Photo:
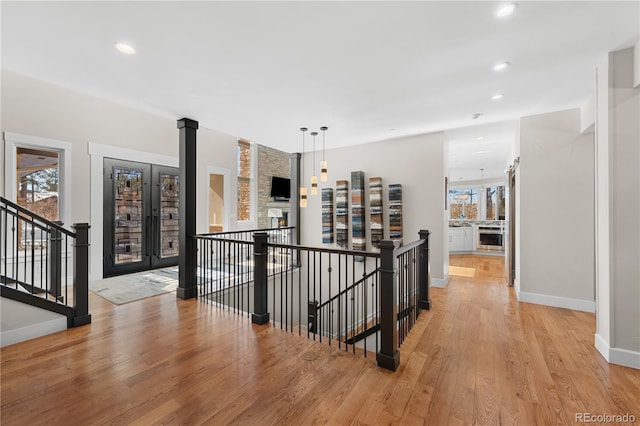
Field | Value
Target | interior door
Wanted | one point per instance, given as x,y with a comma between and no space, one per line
141,217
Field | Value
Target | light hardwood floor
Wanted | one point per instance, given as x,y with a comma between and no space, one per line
478,357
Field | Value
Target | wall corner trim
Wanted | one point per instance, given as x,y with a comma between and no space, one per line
557,301
617,356
440,282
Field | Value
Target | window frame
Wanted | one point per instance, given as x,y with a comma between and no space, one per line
13,141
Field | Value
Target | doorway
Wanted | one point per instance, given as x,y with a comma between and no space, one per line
141,225
216,202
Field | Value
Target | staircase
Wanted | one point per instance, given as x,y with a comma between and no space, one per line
42,265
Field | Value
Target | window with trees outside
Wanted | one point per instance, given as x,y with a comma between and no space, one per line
38,177
37,181
463,203
245,180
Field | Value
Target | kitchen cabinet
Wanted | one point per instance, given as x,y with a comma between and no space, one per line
461,239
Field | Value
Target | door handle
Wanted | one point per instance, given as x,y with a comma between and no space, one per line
156,236
147,224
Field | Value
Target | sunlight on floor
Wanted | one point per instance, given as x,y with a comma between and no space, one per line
461,271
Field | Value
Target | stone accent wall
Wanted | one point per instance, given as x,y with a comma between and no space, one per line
271,162
244,180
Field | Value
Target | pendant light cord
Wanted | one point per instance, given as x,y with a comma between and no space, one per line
323,145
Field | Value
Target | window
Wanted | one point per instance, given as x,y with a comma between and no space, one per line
37,180
37,175
463,203
245,180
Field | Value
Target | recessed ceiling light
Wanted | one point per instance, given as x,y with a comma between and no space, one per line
497,96
125,48
505,10
479,138
481,152
501,66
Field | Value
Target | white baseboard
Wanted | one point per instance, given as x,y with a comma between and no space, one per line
9,337
440,282
556,301
618,356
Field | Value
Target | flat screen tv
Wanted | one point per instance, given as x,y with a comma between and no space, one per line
280,188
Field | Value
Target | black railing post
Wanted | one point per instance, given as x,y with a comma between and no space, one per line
312,313
260,253
424,277
81,275
187,203
54,246
388,356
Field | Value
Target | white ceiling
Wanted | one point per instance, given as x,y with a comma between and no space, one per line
368,70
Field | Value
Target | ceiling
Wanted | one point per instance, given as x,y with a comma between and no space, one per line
369,70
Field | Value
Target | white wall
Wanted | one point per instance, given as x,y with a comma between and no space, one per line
618,210
37,108
556,219
418,163
636,65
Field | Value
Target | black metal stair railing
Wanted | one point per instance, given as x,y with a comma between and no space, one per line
225,265
359,301
331,294
44,264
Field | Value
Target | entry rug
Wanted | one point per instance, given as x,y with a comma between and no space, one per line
140,285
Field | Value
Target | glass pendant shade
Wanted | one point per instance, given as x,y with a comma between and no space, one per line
323,163
303,196
314,185
323,171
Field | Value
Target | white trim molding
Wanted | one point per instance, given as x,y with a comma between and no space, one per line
226,196
15,140
555,301
618,356
440,282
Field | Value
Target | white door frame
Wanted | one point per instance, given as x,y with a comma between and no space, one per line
226,173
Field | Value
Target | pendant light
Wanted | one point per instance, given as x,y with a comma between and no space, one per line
314,178
323,164
303,189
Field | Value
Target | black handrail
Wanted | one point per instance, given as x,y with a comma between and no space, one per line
368,254
237,231
33,215
405,248
38,263
351,287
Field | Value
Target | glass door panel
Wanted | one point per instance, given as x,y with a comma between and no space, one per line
165,216
127,216
128,238
169,189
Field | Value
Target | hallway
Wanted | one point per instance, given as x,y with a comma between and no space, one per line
478,357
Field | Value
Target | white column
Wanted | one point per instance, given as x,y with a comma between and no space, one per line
617,210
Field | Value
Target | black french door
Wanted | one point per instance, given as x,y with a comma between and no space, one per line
140,216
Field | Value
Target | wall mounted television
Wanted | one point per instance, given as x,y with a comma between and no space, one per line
280,188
